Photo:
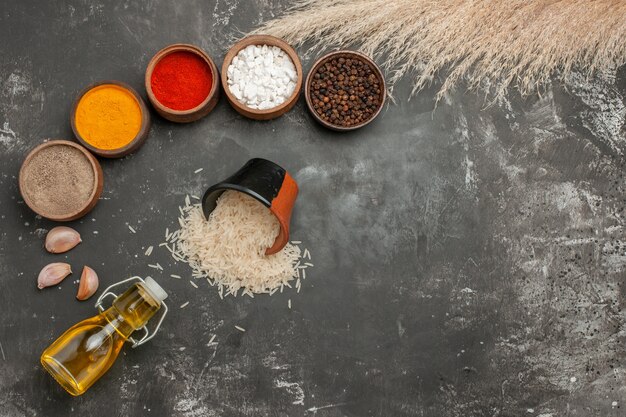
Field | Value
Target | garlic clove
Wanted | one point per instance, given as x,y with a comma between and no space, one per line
88,284
61,239
52,274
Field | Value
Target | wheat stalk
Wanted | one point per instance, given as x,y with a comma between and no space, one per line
519,43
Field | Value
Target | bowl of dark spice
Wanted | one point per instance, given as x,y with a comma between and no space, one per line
345,90
60,180
182,83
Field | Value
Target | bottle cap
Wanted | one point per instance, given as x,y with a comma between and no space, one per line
155,289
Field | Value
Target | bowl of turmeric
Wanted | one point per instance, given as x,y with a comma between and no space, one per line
110,119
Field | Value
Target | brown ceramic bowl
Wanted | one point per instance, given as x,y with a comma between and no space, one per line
202,109
46,173
134,144
274,112
343,54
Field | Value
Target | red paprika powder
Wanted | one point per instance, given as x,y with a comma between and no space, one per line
181,80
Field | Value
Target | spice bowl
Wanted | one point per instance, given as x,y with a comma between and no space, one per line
110,119
272,112
268,183
60,180
331,110
182,83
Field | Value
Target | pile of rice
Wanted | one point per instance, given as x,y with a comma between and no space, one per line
229,248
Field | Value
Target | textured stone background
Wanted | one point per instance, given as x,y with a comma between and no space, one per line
469,261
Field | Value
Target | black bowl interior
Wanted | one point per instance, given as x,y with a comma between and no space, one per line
259,178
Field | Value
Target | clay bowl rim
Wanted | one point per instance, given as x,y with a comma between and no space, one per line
95,192
322,60
180,47
130,146
270,41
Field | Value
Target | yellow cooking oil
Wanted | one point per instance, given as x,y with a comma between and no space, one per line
87,350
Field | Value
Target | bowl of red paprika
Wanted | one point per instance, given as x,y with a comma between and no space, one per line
182,83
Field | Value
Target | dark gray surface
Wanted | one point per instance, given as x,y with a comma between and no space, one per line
468,261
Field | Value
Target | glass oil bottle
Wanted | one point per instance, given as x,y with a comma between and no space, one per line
87,350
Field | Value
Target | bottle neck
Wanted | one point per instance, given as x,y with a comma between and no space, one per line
131,310
118,323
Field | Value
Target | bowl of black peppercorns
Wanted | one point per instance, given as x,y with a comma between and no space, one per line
345,90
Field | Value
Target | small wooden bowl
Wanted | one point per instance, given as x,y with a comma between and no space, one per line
134,144
274,112
343,54
53,178
202,109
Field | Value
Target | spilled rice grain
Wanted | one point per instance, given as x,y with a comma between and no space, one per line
229,247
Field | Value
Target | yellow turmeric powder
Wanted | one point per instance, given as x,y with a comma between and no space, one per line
108,117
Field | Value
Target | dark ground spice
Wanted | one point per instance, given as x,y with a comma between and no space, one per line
59,180
345,91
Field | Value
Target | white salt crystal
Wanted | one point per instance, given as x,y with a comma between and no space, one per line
261,77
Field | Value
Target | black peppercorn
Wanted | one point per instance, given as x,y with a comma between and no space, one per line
351,95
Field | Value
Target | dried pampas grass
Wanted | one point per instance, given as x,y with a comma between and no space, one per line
518,43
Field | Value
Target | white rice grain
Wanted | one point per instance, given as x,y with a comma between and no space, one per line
230,246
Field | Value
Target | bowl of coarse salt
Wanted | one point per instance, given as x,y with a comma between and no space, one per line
262,77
